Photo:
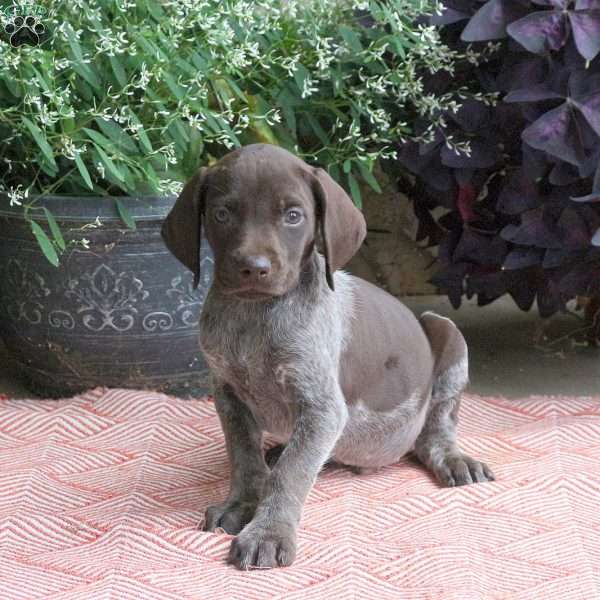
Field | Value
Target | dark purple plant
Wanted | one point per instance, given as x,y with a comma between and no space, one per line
524,204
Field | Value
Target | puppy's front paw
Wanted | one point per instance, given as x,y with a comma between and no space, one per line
263,546
231,516
459,469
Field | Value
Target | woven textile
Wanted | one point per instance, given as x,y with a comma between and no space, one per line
101,496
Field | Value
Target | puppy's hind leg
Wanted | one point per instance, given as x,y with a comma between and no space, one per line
436,446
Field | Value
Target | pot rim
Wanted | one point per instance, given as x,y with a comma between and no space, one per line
88,208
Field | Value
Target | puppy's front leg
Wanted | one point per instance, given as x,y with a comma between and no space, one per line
243,439
269,539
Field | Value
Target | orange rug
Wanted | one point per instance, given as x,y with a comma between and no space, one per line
101,496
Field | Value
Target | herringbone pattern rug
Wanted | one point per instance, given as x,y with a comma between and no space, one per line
101,496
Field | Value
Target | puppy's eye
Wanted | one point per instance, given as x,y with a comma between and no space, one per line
221,215
293,216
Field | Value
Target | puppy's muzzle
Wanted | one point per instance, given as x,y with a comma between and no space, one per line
254,270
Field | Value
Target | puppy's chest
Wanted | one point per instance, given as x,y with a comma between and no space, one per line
241,356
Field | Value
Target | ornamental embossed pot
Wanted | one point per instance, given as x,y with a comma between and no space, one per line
120,314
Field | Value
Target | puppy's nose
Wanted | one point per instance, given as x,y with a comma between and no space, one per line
255,267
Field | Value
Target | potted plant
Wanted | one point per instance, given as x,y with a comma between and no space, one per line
106,110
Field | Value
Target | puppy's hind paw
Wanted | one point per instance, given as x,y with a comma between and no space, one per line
460,469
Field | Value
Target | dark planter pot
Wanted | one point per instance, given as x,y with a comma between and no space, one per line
120,314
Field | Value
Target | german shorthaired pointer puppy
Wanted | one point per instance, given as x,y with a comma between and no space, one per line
332,366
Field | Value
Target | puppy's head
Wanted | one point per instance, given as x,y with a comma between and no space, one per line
262,209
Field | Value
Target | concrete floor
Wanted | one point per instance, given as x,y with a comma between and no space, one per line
505,358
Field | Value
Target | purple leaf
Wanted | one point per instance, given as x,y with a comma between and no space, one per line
431,146
472,115
540,31
520,258
592,198
554,257
522,292
483,155
585,25
450,279
555,3
587,4
589,107
448,244
554,87
533,94
576,281
412,159
437,176
490,21
535,162
480,249
519,194
533,231
583,82
489,285
563,174
557,133
520,70
573,230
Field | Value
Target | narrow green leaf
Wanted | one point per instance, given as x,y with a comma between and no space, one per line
55,229
85,72
286,101
40,139
117,135
178,134
236,90
177,90
369,177
144,139
354,190
84,172
109,164
319,131
118,71
334,171
40,78
125,214
155,10
351,38
99,139
45,243
300,75
347,165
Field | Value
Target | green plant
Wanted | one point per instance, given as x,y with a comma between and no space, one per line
128,97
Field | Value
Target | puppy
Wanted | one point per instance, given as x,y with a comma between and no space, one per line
332,366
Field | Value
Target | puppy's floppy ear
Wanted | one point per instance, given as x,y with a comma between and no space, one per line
182,227
342,224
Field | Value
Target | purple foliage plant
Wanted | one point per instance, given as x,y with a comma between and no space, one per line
523,194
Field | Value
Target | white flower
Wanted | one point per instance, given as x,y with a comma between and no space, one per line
170,186
85,243
145,77
308,88
16,195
